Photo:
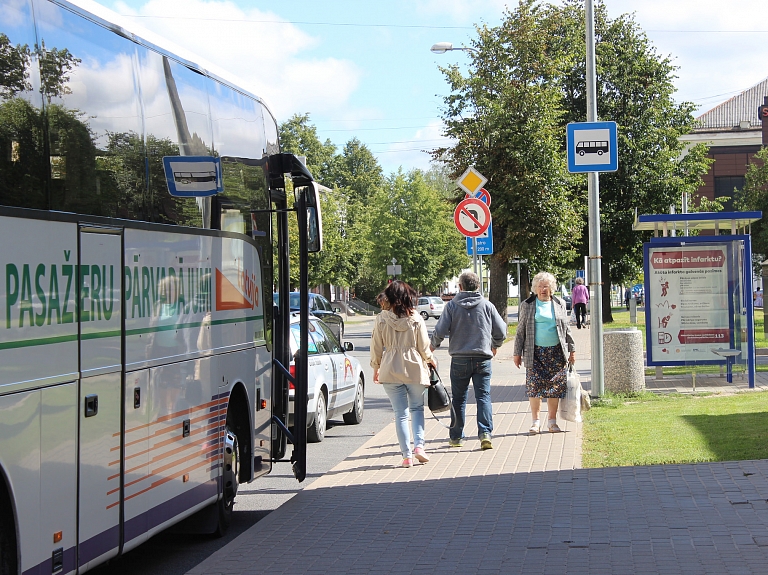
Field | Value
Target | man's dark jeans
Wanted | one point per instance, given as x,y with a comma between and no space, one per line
479,371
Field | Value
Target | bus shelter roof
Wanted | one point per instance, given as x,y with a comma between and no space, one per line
696,221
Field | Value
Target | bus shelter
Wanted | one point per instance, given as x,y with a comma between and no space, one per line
698,290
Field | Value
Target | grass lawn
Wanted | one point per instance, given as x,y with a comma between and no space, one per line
650,429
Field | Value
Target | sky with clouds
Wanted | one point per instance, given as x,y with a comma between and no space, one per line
364,69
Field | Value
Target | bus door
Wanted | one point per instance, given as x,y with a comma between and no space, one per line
100,276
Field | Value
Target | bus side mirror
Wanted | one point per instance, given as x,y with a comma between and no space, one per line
314,219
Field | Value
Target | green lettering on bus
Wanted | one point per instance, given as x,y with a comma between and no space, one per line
146,306
182,301
25,305
11,295
96,290
53,296
40,273
68,272
85,314
136,301
108,295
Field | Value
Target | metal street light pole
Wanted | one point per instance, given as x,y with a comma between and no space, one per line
593,193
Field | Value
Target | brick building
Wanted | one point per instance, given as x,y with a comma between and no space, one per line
734,132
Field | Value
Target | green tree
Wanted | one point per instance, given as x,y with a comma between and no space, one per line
635,88
754,196
14,63
507,120
298,136
412,223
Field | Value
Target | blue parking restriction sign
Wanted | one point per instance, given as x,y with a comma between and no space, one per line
484,243
592,147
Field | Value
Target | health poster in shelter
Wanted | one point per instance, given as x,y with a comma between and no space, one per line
687,303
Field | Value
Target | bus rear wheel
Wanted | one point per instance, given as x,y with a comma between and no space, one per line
230,479
7,537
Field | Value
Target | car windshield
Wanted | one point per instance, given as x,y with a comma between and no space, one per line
295,300
435,300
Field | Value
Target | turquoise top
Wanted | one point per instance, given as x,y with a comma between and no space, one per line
546,328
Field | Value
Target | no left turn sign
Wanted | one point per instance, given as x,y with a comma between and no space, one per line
472,217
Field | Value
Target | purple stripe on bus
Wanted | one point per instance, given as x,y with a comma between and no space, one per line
47,567
169,509
99,544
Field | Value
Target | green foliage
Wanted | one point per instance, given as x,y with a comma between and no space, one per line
55,66
506,118
298,136
754,196
526,82
635,89
411,223
14,60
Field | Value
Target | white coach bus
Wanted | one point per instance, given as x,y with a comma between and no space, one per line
137,332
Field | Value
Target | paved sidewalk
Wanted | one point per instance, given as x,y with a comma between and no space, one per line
522,507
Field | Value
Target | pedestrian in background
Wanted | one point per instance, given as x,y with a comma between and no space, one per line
400,355
580,299
542,342
627,295
475,331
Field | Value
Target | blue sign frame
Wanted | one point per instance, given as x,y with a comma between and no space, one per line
735,330
484,243
593,139
193,176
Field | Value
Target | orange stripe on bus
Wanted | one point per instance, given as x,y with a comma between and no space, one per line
170,429
176,414
169,441
162,481
203,444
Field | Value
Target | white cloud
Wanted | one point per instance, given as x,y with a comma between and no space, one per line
461,11
247,47
410,154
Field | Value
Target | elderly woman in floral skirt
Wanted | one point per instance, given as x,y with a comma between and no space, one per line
543,342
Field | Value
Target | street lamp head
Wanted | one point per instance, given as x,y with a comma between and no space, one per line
441,47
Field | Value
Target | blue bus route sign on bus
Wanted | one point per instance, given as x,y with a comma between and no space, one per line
592,147
193,176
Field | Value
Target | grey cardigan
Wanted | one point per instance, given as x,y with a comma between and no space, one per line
526,329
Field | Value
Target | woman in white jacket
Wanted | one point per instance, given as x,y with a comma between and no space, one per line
400,356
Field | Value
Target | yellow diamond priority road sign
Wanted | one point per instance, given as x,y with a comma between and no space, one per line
471,181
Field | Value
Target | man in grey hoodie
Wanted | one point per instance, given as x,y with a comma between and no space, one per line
475,331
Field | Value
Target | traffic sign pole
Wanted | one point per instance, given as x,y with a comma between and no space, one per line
593,194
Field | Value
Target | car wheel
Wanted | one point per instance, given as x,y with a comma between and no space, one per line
425,315
355,416
316,431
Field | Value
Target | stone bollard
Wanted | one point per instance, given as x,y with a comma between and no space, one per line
623,360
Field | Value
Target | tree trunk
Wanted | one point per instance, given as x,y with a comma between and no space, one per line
606,278
524,289
499,270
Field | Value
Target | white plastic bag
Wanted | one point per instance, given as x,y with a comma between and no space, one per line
570,405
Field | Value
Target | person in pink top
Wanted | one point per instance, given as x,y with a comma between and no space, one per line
580,299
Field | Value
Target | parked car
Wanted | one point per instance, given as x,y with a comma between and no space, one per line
336,384
319,307
563,294
430,306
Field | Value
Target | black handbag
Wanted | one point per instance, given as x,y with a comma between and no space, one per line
437,396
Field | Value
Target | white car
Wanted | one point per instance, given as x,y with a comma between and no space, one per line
336,384
430,306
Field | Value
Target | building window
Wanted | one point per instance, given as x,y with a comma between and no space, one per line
725,185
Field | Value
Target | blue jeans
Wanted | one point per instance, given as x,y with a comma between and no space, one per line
405,397
479,371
